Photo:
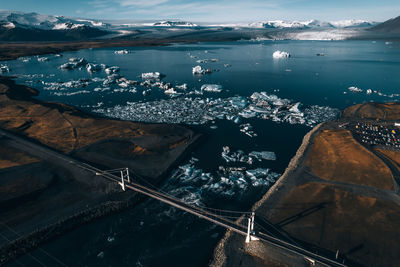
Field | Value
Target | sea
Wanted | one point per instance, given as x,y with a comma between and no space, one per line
254,110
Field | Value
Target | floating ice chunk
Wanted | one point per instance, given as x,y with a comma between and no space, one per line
207,60
25,59
247,129
151,76
258,109
198,70
121,52
280,54
111,79
295,108
42,59
369,91
181,87
355,89
74,63
172,92
266,155
111,70
125,83
71,93
4,69
90,67
215,88
146,92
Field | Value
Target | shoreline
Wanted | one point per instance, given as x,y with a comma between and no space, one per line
101,203
220,257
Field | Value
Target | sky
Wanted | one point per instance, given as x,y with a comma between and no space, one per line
212,10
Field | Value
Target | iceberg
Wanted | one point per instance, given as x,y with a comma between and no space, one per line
182,87
4,69
355,89
198,70
74,63
151,76
111,79
112,70
121,52
215,88
42,59
90,67
280,54
263,155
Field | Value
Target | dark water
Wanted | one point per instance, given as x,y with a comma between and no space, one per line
153,234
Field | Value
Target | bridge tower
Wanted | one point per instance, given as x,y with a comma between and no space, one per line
122,183
250,229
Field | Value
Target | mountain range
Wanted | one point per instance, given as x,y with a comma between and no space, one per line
19,26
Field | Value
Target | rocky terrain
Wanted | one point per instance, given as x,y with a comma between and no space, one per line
44,191
338,197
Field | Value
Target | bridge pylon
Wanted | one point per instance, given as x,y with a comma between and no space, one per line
250,229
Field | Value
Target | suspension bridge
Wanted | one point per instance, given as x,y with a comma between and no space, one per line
220,217
243,223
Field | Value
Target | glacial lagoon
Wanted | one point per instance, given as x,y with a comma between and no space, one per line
253,108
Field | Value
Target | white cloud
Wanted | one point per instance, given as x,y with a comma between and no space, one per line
141,3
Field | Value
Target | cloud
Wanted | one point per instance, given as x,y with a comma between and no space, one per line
228,10
141,3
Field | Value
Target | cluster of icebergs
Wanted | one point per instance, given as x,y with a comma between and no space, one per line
228,182
355,89
195,111
240,156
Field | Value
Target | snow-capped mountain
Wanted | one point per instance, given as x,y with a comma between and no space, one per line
19,26
280,24
12,19
353,23
167,23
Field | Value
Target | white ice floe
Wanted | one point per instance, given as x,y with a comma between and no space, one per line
42,59
121,52
151,76
111,79
369,91
71,93
4,69
355,89
198,70
241,156
112,70
215,88
194,111
91,67
57,86
181,87
227,182
207,60
280,54
74,63
247,129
